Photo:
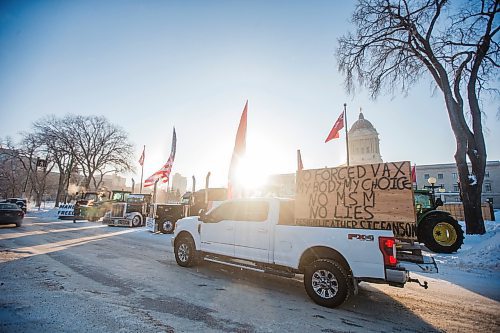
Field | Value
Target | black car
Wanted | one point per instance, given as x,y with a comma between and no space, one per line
11,214
22,203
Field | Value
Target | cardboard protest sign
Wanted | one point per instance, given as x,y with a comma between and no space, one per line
371,196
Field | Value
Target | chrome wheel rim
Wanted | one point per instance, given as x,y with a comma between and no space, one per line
183,252
167,225
325,284
136,221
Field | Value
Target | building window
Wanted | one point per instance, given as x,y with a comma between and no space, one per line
487,187
454,175
487,174
455,188
440,176
426,176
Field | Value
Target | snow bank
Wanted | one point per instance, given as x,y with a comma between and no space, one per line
46,210
476,266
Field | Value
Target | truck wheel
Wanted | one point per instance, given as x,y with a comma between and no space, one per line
185,252
136,221
326,282
166,227
441,234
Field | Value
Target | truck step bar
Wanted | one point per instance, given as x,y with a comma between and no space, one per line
250,266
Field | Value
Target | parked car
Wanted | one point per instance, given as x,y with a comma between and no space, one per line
22,203
11,213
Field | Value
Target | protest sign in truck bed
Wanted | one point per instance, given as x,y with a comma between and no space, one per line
371,196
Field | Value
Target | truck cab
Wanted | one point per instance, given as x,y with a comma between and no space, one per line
131,213
162,217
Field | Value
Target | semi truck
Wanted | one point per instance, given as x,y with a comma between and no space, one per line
131,213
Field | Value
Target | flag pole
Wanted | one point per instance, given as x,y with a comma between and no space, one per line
142,166
346,135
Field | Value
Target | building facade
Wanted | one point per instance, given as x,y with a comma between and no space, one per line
446,176
179,183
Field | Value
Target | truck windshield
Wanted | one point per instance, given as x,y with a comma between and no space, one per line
135,199
120,196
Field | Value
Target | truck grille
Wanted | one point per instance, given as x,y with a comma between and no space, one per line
118,210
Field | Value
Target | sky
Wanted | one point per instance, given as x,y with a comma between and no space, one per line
148,66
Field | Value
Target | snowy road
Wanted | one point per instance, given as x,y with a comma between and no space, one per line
56,276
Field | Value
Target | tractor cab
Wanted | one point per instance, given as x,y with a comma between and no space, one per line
426,201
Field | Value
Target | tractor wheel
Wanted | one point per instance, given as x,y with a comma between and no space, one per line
441,234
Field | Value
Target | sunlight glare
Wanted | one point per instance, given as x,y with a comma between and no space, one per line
250,174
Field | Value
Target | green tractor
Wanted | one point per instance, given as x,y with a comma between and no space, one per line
437,229
96,209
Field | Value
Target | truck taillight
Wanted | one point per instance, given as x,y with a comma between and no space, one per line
388,247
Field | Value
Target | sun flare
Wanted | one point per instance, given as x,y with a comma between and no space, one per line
250,174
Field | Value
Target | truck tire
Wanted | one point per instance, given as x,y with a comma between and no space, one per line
166,227
327,283
136,221
441,234
185,252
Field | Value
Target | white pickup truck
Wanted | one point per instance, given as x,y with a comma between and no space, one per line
260,235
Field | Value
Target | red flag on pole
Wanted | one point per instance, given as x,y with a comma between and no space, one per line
141,159
300,166
163,175
238,152
334,133
414,174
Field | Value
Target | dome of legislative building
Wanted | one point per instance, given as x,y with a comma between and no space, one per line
361,123
364,143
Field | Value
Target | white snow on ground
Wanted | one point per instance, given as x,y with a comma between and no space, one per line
476,266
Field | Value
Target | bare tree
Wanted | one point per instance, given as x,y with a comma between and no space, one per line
98,146
51,132
399,41
12,173
32,150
